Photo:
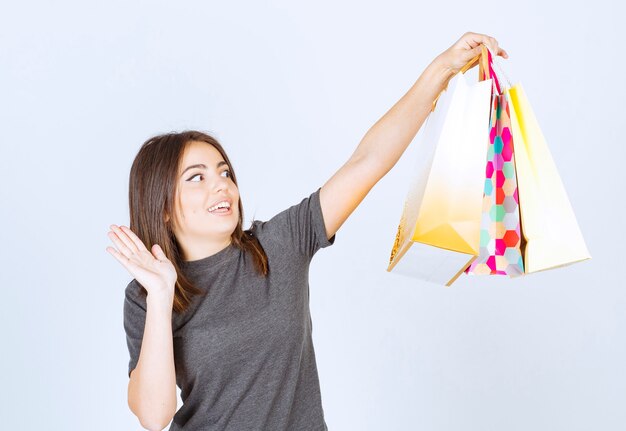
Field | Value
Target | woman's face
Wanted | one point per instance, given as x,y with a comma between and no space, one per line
204,182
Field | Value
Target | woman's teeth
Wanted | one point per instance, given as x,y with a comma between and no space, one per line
225,205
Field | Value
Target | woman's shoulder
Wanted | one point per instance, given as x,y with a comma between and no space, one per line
298,228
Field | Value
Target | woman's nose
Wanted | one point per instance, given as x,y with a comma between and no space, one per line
220,183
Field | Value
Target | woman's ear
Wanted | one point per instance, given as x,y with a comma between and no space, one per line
166,217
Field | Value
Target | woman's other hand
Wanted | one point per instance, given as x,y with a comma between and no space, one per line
151,269
465,49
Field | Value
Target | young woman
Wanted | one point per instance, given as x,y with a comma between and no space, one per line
223,312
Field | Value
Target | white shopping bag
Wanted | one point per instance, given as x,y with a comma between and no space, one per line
438,234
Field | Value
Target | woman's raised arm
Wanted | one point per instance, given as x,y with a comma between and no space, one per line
388,138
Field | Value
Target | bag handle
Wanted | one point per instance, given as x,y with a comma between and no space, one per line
494,62
485,70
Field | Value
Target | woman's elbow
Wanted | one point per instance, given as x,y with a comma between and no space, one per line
154,425
151,420
153,414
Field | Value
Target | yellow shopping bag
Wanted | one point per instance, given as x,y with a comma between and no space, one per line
551,233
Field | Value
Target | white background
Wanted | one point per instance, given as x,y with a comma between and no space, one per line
289,90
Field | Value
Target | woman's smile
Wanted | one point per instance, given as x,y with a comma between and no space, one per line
222,212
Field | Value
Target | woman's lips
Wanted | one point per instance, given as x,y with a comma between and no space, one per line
222,212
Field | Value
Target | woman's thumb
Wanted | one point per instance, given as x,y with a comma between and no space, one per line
158,252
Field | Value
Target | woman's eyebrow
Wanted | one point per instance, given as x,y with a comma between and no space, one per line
203,166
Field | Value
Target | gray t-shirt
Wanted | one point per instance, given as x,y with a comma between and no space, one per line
243,353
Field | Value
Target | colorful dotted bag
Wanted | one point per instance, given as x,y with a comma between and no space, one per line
500,234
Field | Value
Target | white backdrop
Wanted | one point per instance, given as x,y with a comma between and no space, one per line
290,89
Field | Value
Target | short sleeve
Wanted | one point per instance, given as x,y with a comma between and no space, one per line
300,227
134,321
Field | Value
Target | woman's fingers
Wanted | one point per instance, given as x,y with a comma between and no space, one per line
472,40
121,246
465,52
130,266
495,48
493,44
122,235
148,268
139,243
131,249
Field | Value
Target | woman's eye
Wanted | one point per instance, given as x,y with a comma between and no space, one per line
191,179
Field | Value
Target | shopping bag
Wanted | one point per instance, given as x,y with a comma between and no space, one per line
438,233
551,233
500,236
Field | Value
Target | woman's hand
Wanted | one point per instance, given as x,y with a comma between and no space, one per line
465,49
152,270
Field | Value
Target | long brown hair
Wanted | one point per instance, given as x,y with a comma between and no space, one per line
151,191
